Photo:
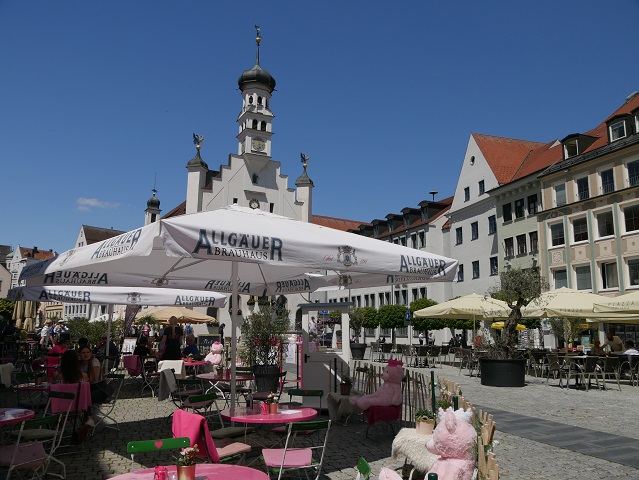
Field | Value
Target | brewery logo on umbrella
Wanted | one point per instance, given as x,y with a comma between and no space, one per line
347,256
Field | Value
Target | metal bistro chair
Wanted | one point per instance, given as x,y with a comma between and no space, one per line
590,368
387,350
612,367
141,446
375,352
421,359
554,366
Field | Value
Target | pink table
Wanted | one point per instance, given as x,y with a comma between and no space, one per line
203,471
285,415
215,377
14,415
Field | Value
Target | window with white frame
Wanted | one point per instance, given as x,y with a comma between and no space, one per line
482,187
401,332
460,273
633,272
509,248
557,234
397,297
580,229
533,204
607,181
633,173
560,194
521,244
617,130
459,236
413,240
422,239
605,224
507,212
534,241
519,208
381,299
609,278
422,292
492,225
476,269
560,278
466,194
402,240
494,266
631,218
583,191
584,282
474,231
415,294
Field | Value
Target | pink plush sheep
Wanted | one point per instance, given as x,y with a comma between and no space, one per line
455,441
390,393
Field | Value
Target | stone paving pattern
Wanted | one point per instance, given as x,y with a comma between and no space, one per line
519,457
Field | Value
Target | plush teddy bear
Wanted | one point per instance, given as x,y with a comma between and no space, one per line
387,474
455,441
390,393
215,356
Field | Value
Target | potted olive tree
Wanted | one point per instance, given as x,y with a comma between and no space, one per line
357,320
263,344
392,316
504,366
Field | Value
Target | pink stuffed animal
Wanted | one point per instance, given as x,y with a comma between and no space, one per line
390,393
388,474
215,357
455,441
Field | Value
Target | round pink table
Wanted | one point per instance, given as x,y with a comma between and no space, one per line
14,415
285,415
203,471
214,377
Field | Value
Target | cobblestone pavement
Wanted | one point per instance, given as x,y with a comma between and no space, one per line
104,455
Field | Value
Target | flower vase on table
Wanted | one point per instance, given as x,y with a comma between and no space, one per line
186,472
186,463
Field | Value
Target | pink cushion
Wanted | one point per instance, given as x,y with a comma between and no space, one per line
29,455
301,457
132,364
234,448
59,405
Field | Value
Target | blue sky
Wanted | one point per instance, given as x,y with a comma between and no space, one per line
99,98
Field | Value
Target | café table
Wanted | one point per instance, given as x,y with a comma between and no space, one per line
195,365
203,471
254,416
214,378
14,415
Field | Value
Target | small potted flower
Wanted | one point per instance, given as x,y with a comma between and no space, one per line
272,403
424,421
186,463
345,385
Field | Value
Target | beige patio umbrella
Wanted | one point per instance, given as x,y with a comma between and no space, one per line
468,307
568,303
181,313
625,308
18,313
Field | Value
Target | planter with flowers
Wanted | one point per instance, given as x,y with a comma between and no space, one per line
424,421
272,403
186,463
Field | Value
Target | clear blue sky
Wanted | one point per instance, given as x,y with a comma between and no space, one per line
96,98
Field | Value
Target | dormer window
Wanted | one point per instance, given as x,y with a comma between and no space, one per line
571,149
617,130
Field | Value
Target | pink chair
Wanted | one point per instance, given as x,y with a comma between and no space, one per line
385,414
196,428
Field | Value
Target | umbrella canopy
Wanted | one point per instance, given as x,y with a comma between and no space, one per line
625,305
500,325
118,296
468,307
239,250
567,303
181,313
18,313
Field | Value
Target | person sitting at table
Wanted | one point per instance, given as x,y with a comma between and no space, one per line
60,347
142,348
83,342
630,348
597,349
614,342
191,347
172,340
100,350
70,371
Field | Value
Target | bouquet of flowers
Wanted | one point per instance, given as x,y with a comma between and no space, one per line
188,456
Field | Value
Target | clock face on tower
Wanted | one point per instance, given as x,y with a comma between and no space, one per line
258,144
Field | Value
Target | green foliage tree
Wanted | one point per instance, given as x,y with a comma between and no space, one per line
6,310
422,324
82,327
356,321
369,317
263,335
391,316
518,287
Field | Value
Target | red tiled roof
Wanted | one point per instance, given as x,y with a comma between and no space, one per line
39,255
177,211
504,155
97,234
600,130
540,159
337,223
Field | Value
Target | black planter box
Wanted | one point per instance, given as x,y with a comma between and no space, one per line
503,373
358,350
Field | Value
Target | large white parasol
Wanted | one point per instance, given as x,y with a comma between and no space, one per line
240,250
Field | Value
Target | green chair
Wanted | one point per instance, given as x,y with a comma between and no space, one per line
363,469
144,446
300,392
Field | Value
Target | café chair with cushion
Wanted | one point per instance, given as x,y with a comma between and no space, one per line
304,393
386,414
196,428
35,456
143,446
279,461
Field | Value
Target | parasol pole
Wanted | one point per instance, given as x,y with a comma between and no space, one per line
234,322
106,350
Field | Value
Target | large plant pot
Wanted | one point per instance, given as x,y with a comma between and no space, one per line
358,350
424,427
267,378
503,373
186,473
